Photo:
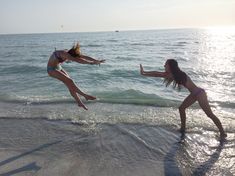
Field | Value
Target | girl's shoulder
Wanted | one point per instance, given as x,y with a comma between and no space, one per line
62,53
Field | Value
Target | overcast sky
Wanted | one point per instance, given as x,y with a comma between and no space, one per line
46,16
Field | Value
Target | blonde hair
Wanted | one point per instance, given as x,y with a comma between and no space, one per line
75,50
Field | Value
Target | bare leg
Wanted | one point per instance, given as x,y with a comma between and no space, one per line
203,102
189,100
76,97
87,97
66,74
70,84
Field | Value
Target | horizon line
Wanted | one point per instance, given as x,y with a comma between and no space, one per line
124,30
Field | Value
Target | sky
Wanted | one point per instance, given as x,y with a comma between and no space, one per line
49,16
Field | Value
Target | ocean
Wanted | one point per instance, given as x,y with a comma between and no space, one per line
132,127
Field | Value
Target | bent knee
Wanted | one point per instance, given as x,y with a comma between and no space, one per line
181,108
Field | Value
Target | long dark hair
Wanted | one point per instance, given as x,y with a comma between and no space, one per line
177,76
75,50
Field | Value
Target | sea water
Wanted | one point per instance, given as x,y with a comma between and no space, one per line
125,99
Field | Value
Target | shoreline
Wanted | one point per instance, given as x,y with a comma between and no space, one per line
59,147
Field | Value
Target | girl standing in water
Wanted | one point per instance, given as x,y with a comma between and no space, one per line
179,78
55,70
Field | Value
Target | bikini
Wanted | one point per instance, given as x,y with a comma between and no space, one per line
197,91
57,67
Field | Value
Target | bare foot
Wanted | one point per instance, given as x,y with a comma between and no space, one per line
89,97
182,130
80,104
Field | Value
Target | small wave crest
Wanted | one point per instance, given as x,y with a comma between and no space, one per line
34,100
22,69
135,97
130,96
181,44
92,45
142,44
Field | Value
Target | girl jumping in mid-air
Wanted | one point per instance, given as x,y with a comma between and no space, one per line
55,70
179,78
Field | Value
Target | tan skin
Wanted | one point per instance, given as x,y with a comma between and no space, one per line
189,100
63,76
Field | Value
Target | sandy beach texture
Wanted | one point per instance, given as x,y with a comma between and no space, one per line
44,147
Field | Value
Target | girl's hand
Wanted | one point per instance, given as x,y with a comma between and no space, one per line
102,61
98,62
141,70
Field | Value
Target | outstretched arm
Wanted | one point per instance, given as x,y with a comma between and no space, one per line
90,59
152,73
81,59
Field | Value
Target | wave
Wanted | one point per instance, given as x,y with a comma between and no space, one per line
130,96
35,100
225,104
92,45
135,97
112,40
142,44
21,69
124,58
181,43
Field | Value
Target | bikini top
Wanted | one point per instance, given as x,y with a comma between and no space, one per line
58,57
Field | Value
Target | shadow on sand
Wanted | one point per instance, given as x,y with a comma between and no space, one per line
171,166
206,166
29,167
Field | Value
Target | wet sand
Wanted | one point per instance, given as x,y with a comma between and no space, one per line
46,147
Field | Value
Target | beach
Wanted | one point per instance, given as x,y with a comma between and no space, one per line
133,126
39,146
